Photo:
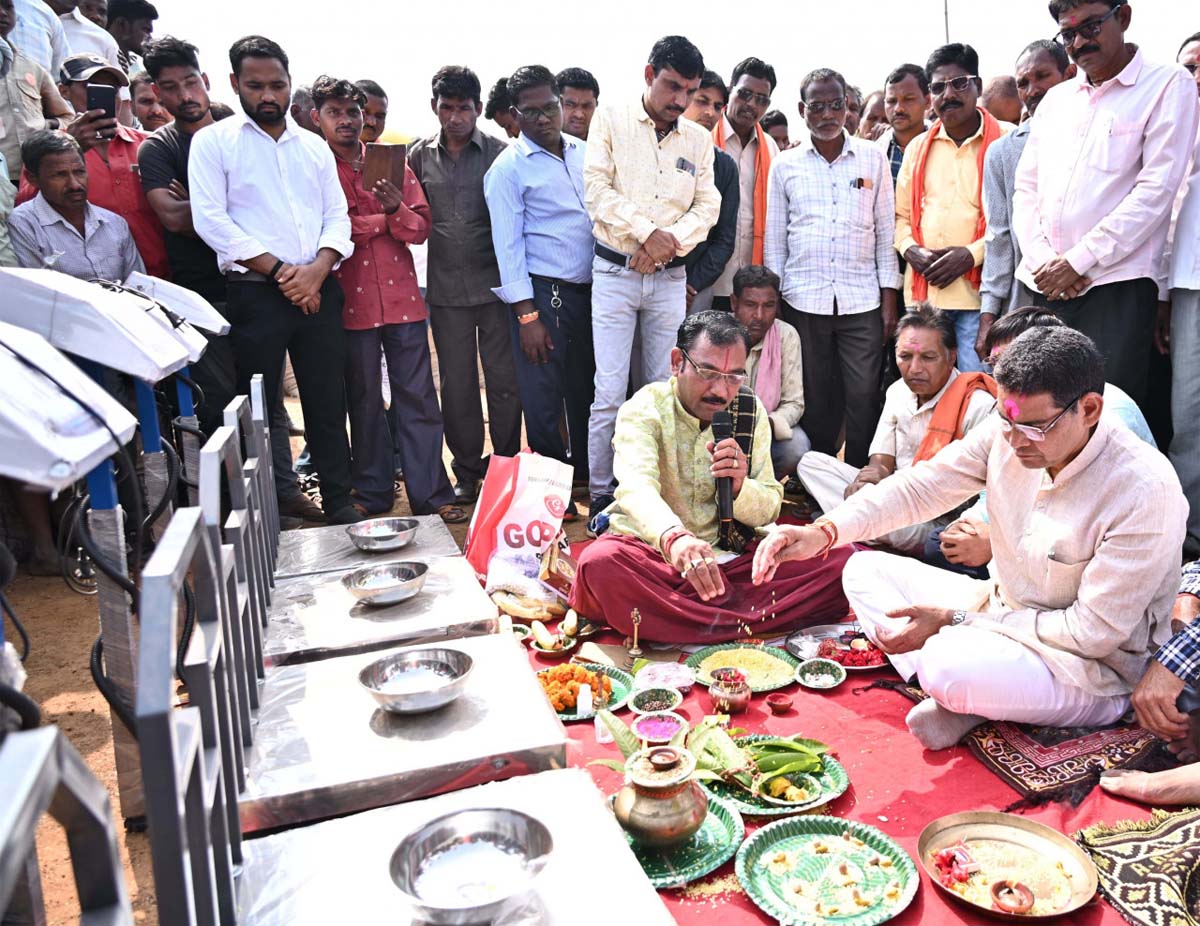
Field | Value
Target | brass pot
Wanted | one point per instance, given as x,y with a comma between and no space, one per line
660,806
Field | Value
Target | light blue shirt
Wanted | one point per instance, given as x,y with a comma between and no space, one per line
39,33
540,223
1117,402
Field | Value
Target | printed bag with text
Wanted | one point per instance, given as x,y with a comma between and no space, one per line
519,512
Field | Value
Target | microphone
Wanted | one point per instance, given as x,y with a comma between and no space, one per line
722,429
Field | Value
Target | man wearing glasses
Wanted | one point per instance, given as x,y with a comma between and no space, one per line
667,552
543,240
940,223
1086,524
1092,209
739,135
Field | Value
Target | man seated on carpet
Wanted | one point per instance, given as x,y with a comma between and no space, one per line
966,544
775,368
930,406
666,552
1086,525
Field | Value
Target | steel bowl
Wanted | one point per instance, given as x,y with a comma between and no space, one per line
466,867
380,535
418,680
387,584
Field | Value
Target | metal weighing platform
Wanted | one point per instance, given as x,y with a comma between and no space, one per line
314,617
337,872
330,549
324,748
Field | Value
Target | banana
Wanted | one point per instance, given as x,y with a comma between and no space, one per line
523,609
570,624
543,636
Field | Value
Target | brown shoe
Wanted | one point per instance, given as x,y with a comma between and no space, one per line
452,514
301,506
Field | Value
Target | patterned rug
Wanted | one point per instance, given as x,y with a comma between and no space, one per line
1149,870
1045,764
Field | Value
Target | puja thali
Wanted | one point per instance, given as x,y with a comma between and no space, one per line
1007,865
831,783
767,668
711,847
621,682
844,643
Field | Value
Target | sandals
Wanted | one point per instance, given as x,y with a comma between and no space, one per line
452,514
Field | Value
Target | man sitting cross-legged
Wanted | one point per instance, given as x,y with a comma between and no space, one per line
666,551
931,405
1086,526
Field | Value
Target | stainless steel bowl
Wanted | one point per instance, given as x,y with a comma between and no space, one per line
417,680
467,866
387,584
379,535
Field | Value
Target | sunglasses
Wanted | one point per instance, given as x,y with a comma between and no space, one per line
817,108
750,96
1031,432
533,114
1089,30
960,84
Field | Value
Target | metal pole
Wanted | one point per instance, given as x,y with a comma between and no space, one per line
946,12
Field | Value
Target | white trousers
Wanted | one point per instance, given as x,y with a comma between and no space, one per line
826,479
966,669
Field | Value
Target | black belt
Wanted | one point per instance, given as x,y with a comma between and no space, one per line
622,260
584,288
247,276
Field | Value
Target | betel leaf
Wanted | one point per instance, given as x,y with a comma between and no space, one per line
610,763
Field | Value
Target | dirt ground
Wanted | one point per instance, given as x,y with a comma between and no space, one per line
63,626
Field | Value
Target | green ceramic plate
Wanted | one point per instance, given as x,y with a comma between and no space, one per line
622,685
833,781
786,673
709,849
809,888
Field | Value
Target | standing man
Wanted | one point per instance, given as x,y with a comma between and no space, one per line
940,224
905,102
707,260
543,240
1101,170
648,177
579,92
470,324
740,136
29,101
874,119
302,109
1044,64
775,124
1001,98
266,198
854,108
131,23
375,111
39,34
384,313
832,221
84,35
151,115
499,108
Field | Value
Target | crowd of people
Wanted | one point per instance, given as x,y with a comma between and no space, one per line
939,311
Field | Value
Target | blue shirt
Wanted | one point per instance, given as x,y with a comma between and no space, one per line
1181,654
540,224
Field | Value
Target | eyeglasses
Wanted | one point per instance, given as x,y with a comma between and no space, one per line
709,375
1089,30
750,95
817,108
533,114
960,84
1032,433
1192,68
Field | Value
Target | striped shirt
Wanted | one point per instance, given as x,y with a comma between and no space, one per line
42,238
540,224
39,33
830,228
1181,654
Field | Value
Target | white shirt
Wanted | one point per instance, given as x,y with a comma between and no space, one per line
903,424
1185,249
84,36
1101,171
40,35
746,158
830,228
252,195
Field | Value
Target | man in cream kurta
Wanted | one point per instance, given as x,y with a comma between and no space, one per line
1086,525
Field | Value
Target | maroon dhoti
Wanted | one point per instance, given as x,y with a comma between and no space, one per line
617,574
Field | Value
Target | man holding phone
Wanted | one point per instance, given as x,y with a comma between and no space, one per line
110,150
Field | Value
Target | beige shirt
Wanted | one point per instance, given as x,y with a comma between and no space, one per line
951,209
27,97
791,393
635,184
1086,566
903,424
746,157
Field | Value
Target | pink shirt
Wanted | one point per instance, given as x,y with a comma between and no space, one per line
1100,173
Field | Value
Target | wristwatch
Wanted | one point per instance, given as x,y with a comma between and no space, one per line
957,618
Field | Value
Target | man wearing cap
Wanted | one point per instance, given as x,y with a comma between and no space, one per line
29,100
110,151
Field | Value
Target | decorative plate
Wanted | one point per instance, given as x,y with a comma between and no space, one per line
815,871
803,644
832,779
622,685
665,675
712,846
780,675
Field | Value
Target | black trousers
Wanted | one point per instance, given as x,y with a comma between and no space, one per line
464,337
1119,317
566,383
843,361
264,326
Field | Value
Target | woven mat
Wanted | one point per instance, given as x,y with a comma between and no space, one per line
1045,764
1149,870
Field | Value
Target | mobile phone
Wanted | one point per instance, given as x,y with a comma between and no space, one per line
102,96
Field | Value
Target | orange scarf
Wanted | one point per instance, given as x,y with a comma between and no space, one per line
946,425
991,132
762,167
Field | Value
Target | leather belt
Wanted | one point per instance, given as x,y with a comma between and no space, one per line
248,276
622,260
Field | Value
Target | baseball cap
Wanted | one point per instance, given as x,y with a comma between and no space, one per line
87,66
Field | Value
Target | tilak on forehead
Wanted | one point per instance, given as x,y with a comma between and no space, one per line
1013,409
